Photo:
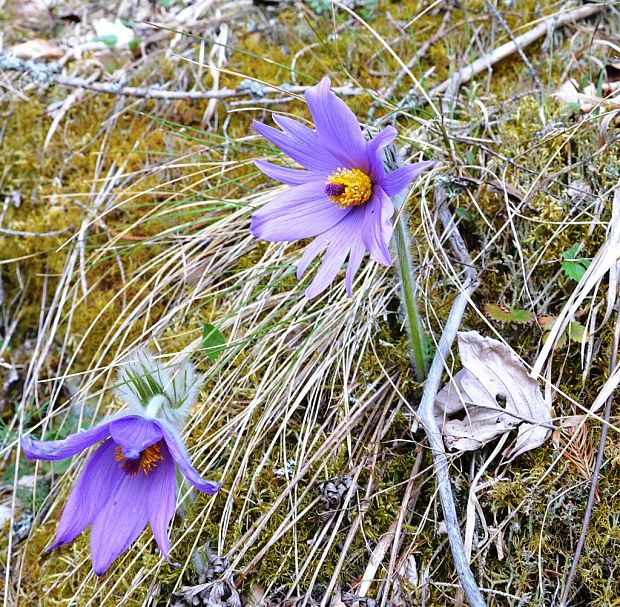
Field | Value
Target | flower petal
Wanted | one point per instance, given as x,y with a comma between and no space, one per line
395,182
355,260
161,500
301,212
303,146
284,174
310,252
337,127
341,238
59,449
121,520
98,481
374,146
377,227
331,264
179,454
134,434
315,152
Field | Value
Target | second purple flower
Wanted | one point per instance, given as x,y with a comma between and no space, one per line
342,199
130,478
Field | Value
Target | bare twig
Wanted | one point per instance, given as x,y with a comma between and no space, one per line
10,232
389,91
520,42
597,469
47,75
426,408
519,50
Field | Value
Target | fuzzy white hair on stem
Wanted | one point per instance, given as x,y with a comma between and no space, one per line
156,390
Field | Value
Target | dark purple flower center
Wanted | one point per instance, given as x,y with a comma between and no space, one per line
334,189
146,462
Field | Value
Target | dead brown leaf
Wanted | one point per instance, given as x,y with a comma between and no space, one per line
495,186
491,395
588,99
37,48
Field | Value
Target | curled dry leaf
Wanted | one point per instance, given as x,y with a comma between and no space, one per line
585,100
491,395
38,48
405,580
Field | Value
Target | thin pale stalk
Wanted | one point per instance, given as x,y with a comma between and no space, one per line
426,411
426,408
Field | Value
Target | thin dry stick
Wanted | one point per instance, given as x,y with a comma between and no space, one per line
597,469
522,54
426,409
520,42
46,74
420,53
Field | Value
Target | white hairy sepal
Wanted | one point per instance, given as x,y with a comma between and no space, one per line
156,391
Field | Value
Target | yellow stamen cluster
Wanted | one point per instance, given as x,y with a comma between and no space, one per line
355,185
146,462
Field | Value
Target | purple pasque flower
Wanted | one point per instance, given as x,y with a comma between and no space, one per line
342,199
130,478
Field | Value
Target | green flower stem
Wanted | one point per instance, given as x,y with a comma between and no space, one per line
406,272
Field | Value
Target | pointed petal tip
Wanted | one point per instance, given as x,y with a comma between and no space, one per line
256,125
426,164
396,181
99,569
313,290
26,445
256,227
381,256
210,487
338,130
286,175
321,85
50,450
181,459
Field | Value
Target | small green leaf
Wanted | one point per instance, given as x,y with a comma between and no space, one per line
134,44
570,253
506,315
463,214
520,317
213,341
574,267
319,6
110,40
576,332
165,3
